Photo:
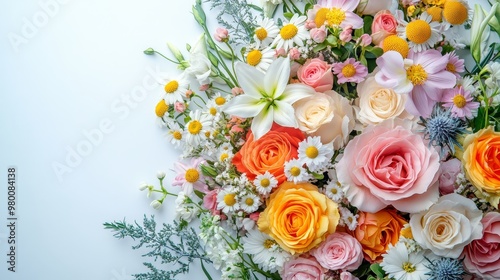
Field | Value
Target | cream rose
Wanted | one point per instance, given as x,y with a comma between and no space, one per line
377,103
327,115
448,226
371,7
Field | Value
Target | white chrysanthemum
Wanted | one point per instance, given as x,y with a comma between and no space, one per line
227,200
197,127
175,89
260,58
292,34
265,32
422,33
175,135
265,183
402,265
250,203
264,250
294,171
314,154
334,191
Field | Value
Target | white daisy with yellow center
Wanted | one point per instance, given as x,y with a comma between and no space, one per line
293,33
260,59
175,134
250,203
265,252
197,128
295,172
175,89
225,155
265,33
264,183
334,191
456,12
314,154
422,33
161,111
227,200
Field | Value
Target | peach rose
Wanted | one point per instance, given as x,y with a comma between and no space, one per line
317,74
268,153
482,163
371,7
298,217
375,231
327,115
383,25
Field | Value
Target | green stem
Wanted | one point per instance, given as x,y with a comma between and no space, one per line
173,61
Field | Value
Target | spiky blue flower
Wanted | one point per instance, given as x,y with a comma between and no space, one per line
442,129
445,269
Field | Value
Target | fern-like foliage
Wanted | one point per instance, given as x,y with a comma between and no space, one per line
175,245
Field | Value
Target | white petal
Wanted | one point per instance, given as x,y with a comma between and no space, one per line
250,79
284,114
295,92
262,123
277,77
244,106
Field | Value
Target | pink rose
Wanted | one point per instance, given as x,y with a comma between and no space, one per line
482,256
317,74
388,164
347,276
449,171
210,202
339,251
179,107
371,7
303,268
384,24
221,34
318,34
294,53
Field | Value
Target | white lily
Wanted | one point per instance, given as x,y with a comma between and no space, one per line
268,97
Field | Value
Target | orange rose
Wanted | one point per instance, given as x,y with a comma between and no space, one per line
299,217
481,160
375,231
268,153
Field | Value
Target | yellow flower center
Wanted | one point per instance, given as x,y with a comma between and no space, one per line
220,100
335,16
194,127
172,86
229,199
451,67
207,134
312,152
348,70
269,243
406,232
334,190
254,57
418,31
261,33
223,156
455,12
321,16
177,135
408,267
459,101
295,171
410,10
192,175
436,13
288,31
265,183
161,108
213,111
416,74
395,43
249,201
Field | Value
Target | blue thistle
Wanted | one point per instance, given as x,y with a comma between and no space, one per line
443,130
445,269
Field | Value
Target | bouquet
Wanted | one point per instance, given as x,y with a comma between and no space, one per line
331,139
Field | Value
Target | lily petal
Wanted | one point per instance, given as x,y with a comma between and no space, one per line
244,106
262,123
250,79
277,77
295,92
284,114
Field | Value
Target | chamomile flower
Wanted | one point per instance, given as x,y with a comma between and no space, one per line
227,200
219,100
265,183
225,155
295,172
314,154
334,191
212,109
189,176
197,127
161,110
264,250
292,33
175,89
175,135
260,59
348,219
456,12
398,263
422,33
250,203
265,32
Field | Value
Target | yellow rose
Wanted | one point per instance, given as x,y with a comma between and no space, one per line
481,160
299,217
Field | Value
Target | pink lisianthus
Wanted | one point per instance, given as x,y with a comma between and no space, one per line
303,268
294,53
180,107
364,40
221,34
482,256
389,165
317,74
347,7
346,34
344,275
449,171
350,71
189,176
383,25
461,102
210,202
422,76
339,251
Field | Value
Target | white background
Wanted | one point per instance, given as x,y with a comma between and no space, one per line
72,66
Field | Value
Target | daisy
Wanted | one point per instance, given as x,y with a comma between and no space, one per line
175,89
292,33
460,102
349,71
348,219
314,154
265,183
334,191
225,155
189,176
295,172
455,64
402,265
175,135
212,109
219,100
227,200
250,203
260,59
456,12
422,33
160,111
197,127
336,13
265,32
264,250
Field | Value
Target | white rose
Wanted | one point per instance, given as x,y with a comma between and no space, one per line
448,226
377,103
371,7
327,115
200,67
184,211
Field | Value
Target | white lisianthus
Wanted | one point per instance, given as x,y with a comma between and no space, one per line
200,67
183,210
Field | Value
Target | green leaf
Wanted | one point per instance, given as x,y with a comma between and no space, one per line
205,271
319,47
288,15
377,269
199,194
376,51
213,59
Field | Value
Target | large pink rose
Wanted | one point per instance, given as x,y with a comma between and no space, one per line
388,164
339,251
482,256
383,25
303,268
317,74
